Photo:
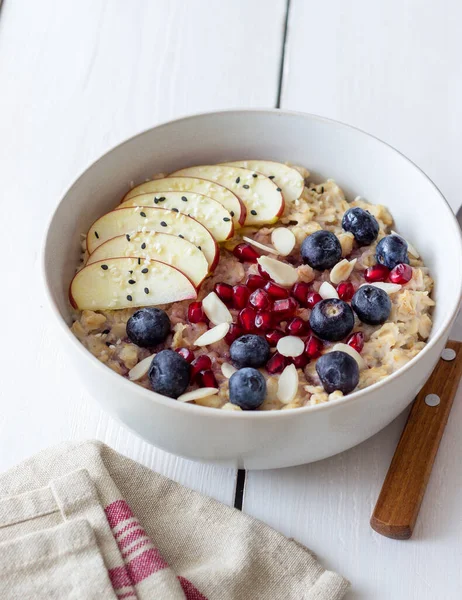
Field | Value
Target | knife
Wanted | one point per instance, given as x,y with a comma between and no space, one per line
398,504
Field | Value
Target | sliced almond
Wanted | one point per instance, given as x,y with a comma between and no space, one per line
327,290
282,273
140,370
227,369
283,240
342,270
213,335
389,288
290,346
410,247
288,384
259,246
352,352
197,394
216,310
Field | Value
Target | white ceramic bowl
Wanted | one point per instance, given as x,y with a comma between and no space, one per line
362,165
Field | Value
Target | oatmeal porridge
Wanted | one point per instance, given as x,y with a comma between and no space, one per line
245,286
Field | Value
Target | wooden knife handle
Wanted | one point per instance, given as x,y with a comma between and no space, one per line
399,501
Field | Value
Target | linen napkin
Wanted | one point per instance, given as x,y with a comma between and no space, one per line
81,521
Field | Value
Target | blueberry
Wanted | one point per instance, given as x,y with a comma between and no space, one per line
148,327
392,250
361,224
321,250
332,319
169,373
247,388
371,304
338,371
249,351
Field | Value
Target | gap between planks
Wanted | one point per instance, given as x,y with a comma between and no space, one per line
241,474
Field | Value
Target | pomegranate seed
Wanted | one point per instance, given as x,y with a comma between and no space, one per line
245,253
313,347
356,341
276,364
201,363
402,273
276,291
186,353
263,273
224,291
263,320
376,273
285,308
345,290
297,326
273,337
195,313
301,361
312,299
259,299
300,292
241,295
207,379
247,319
234,332
254,282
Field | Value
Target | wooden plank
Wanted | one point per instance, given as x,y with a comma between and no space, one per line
77,78
392,69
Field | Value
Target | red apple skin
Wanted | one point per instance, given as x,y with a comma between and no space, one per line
283,206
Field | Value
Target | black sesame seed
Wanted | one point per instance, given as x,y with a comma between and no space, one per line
139,262
108,344
232,213
246,187
199,247
96,234
142,214
184,198
163,223
145,270
129,298
278,189
131,272
181,236
104,267
322,189
175,210
226,219
253,212
131,281
271,177
156,200
143,246
106,331
146,290
162,199
128,237
238,180
313,189
254,175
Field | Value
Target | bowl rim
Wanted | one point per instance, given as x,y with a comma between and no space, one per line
231,414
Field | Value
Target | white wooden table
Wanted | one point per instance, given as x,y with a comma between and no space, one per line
76,78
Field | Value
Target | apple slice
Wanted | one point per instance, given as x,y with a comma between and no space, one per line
132,220
128,282
262,198
207,211
195,185
288,179
170,249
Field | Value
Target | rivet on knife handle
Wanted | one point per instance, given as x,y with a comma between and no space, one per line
399,501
